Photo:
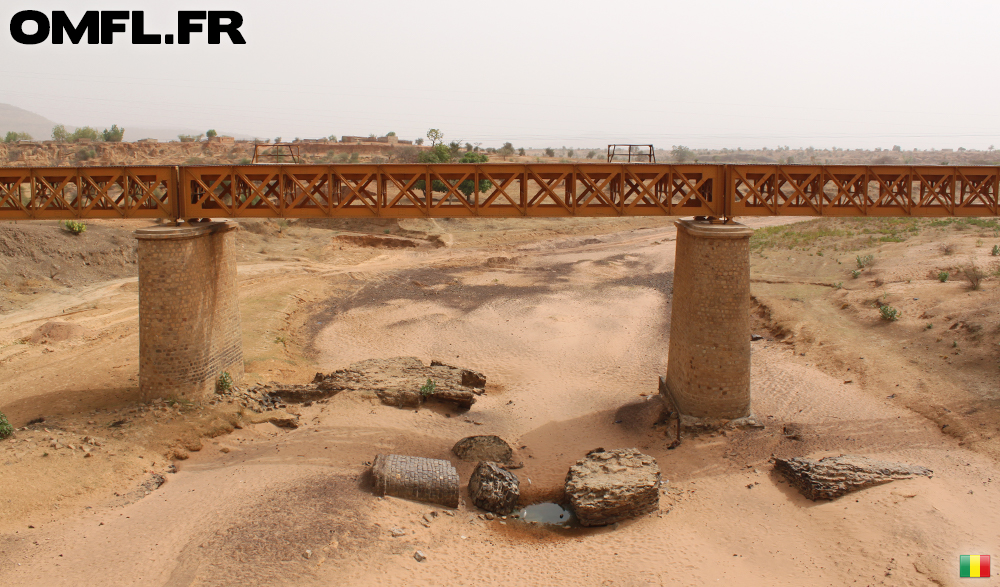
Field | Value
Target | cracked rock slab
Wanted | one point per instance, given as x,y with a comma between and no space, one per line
832,477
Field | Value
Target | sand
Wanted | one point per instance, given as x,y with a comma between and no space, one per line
571,336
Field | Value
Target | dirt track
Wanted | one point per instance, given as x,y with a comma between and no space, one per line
569,323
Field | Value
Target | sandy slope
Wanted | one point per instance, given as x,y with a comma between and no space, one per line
571,334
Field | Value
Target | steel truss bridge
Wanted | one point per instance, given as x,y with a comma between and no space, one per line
495,190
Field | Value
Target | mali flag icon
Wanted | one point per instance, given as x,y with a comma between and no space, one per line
974,565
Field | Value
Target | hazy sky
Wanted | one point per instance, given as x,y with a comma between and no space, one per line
540,73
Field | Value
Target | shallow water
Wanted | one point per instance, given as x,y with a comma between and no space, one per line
546,513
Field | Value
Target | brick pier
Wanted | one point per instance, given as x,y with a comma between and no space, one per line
189,315
708,362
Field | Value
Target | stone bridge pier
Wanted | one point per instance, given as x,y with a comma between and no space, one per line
708,361
189,314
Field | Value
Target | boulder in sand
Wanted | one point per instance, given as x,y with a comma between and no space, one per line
57,331
493,488
833,477
613,485
483,448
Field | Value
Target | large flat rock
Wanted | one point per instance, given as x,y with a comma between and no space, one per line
833,477
613,485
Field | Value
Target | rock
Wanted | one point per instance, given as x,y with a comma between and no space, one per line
483,448
833,477
422,479
610,486
397,532
180,454
489,516
493,488
419,556
307,554
474,379
756,337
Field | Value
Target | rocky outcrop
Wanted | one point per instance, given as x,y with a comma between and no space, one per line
613,485
833,477
483,448
401,381
493,488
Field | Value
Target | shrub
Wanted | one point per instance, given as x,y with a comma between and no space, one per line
75,227
947,249
591,154
550,152
6,430
942,276
113,135
865,261
974,275
84,154
224,383
427,388
84,133
13,137
855,273
996,251
889,314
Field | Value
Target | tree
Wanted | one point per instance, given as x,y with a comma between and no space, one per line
506,151
419,141
332,138
113,135
454,148
435,135
468,147
83,133
13,137
591,154
521,151
681,153
211,133
550,152
391,133
59,133
570,153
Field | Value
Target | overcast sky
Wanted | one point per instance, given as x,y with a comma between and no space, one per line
702,73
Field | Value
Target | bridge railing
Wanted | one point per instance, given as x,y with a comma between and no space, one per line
496,190
88,192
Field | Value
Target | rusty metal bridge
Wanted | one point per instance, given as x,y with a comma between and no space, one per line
495,190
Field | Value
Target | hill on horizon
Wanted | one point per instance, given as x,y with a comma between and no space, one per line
13,118
17,119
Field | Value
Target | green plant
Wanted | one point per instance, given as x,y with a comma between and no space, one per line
427,389
211,133
550,152
75,227
929,326
942,276
855,273
889,313
839,285
996,251
84,133
245,161
13,137
224,383
5,428
282,340
113,135
865,261
954,344
84,154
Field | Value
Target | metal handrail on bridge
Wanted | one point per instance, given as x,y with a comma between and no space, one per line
496,190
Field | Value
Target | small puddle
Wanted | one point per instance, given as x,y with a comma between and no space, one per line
546,513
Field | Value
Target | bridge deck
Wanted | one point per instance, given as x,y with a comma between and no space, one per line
495,190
